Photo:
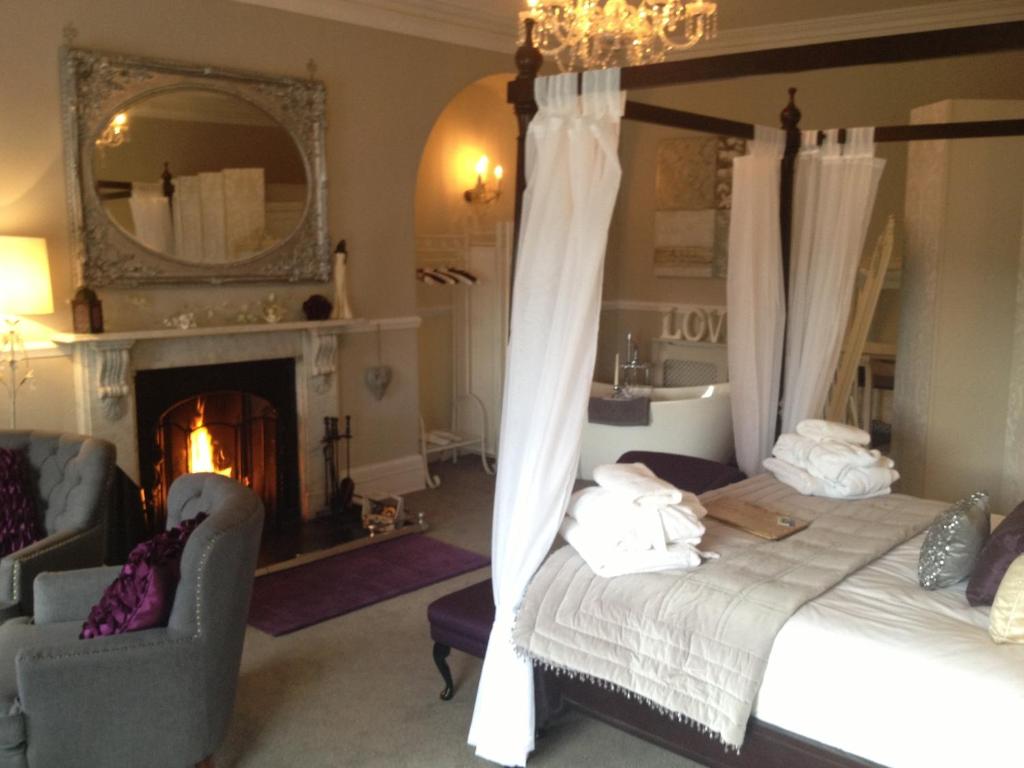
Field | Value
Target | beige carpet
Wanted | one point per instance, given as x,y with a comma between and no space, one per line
362,689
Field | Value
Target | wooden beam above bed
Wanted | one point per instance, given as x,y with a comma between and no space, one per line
891,49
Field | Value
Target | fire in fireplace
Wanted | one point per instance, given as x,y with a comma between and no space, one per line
236,419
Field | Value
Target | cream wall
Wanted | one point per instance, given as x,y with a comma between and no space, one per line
476,121
384,92
955,388
870,95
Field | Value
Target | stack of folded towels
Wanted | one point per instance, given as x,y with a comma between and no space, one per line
824,458
634,522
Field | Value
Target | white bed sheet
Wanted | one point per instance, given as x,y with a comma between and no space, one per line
883,669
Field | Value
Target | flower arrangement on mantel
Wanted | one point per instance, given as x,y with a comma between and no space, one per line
268,310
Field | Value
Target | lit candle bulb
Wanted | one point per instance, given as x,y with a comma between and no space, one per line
481,167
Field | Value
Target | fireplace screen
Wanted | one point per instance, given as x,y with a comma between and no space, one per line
231,433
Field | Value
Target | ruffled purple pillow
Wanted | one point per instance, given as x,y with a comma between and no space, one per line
19,521
1003,547
143,593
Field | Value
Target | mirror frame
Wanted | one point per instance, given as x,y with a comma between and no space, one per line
96,85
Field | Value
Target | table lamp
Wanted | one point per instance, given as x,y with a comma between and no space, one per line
24,290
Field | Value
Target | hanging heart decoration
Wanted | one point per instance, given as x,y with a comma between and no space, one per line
377,378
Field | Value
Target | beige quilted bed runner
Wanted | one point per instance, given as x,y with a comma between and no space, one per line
695,645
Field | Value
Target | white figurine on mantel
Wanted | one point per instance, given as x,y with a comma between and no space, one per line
342,307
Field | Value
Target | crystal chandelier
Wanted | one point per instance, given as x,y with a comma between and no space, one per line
590,34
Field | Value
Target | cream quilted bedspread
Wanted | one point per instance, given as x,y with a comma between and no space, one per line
696,644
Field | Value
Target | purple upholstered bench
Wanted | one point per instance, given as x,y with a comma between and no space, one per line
461,620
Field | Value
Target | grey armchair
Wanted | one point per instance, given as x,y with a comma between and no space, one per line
73,475
158,697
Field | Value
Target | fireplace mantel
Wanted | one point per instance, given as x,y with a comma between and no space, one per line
105,366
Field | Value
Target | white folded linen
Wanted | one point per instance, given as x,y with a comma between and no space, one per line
608,561
854,483
819,429
623,525
827,459
638,482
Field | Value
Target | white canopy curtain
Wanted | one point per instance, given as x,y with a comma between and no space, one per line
834,194
572,174
757,311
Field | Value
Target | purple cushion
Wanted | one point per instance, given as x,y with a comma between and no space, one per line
19,522
1004,545
143,593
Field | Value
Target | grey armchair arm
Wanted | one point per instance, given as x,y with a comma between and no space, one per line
148,683
60,551
73,476
68,595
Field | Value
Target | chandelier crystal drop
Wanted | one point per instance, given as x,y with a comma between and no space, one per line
590,34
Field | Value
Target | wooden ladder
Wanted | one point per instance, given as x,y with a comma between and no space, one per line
873,274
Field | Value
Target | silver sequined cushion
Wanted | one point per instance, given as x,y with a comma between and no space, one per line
952,543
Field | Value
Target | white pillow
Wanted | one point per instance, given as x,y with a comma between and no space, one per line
1006,621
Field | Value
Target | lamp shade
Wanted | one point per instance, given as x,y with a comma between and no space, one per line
24,277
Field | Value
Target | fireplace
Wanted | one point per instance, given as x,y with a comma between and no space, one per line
236,419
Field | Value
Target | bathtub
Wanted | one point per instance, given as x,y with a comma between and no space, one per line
696,421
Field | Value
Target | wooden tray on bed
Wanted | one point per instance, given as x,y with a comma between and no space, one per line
754,519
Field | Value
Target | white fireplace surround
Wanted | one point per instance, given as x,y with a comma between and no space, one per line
105,366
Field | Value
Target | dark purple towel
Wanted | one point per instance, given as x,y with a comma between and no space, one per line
632,412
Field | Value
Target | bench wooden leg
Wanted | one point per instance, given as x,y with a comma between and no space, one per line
441,652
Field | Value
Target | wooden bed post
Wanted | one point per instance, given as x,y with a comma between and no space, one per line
790,118
528,63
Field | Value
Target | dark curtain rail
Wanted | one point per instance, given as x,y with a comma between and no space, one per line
120,190
966,130
693,121
892,49
674,118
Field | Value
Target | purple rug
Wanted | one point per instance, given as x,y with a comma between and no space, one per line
299,597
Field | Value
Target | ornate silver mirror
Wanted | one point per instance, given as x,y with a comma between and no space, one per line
184,174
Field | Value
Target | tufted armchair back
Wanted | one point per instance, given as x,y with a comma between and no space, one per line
73,476
72,473
212,600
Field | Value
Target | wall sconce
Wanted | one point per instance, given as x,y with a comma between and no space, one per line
25,290
481,193
116,132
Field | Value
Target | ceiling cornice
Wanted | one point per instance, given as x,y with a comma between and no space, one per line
895,21
448,22
485,28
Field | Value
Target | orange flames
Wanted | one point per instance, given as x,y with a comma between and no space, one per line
203,454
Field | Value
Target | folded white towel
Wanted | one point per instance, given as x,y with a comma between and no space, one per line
638,482
827,459
608,562
630,527
855,483
818,429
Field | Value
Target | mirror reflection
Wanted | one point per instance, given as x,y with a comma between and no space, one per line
200,176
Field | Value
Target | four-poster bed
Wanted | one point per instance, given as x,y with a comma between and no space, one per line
765,745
